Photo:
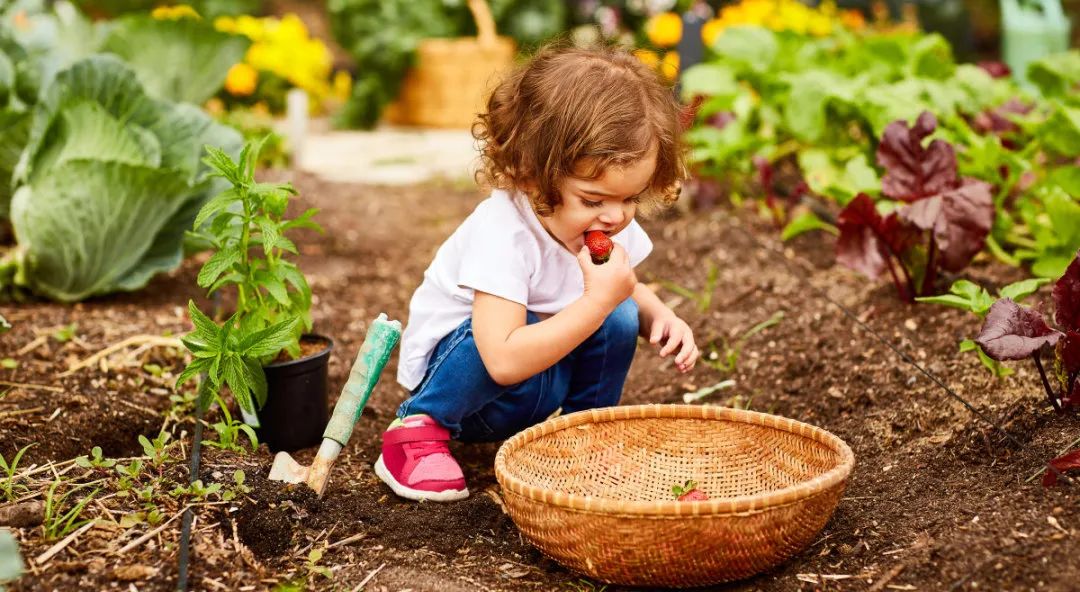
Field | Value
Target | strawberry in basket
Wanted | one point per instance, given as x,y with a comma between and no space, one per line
688,492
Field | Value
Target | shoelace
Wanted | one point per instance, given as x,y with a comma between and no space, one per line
426,448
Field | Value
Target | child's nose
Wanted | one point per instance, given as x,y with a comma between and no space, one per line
613,215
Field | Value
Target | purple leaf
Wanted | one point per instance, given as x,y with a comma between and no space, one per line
995,69
720,119
860,246
1069,349
1067,297
1012,332
914,172
960,220
1062,463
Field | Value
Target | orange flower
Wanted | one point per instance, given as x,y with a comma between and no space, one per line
241,80
853,19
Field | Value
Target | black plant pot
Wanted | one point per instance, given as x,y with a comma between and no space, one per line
295,413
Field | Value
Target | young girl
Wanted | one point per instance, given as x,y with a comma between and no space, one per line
513,320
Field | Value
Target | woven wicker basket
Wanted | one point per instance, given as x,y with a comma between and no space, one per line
593,491
452,78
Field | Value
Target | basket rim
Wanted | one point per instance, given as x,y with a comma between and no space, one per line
718,506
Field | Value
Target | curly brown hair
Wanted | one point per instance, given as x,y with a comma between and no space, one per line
574,112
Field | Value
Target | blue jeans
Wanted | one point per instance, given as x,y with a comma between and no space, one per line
458,392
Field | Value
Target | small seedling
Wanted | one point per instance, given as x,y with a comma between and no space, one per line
95,461
197,490
702,299
157,449
229,432
59,523
65,334
9,363
5,326
8,485
231,493
129,474
728,362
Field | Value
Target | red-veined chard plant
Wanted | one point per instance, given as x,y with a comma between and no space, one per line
934,220
1014,332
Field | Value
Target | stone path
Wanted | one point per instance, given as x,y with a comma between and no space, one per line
388,155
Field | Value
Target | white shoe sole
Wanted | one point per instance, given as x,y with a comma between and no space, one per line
450,495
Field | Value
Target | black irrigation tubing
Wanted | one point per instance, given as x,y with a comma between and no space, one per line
184,560
803,279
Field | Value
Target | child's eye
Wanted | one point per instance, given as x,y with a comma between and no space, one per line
634,200
591,204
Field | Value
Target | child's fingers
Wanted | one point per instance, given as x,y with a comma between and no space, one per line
691,359
657,334
675,338
688,348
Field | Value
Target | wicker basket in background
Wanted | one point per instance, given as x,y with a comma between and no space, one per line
593,490
452,78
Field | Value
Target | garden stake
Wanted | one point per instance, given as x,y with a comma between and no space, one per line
381,338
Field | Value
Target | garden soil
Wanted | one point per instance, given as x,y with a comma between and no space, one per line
937,499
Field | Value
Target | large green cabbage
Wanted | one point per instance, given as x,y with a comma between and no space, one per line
107,184
18,93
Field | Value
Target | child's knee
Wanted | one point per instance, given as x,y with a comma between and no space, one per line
621,326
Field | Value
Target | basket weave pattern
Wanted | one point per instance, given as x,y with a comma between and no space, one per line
592,490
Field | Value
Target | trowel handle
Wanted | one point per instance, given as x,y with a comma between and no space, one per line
382,337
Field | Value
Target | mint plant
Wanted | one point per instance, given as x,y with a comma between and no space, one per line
937,222
975,299
245,226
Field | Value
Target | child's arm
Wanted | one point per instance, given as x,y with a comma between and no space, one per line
658,322
513,350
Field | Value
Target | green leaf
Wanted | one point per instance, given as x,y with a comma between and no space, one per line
1056,75
711,80
751,47
951,300
215,206
205,327
235,375
217,264
256,380
1022,289
274,286
806,222
303,221
270,233
11,564
271,340
182,60
1061,132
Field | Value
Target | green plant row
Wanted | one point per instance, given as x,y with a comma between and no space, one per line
821,105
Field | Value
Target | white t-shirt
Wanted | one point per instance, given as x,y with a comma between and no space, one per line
501,249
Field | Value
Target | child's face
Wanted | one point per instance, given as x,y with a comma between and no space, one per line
607,203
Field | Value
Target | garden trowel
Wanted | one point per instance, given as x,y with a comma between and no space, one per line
381,338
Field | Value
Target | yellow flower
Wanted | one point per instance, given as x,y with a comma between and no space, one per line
712,30
669,67
647,57
342,85
241,80
664,30
820,25
172,13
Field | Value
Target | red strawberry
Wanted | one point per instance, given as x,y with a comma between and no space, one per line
688,492
599,246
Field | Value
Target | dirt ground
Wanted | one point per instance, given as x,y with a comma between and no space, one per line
937,500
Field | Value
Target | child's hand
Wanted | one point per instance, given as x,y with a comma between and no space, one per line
609,283
677,337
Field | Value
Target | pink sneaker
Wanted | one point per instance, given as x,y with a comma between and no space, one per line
416,463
